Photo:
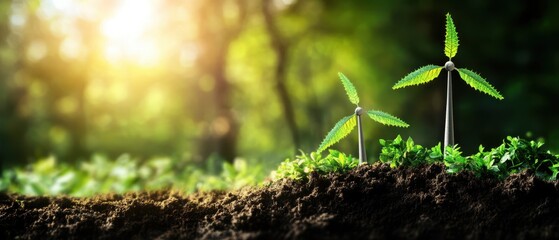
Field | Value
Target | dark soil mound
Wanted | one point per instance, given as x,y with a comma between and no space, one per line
371,202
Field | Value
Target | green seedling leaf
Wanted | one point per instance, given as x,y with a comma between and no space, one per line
478,83
340,130
349,89
420,76
451,38
386,119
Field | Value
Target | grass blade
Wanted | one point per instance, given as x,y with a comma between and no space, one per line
386,119
340,130
420,76
349,89
451,38
477,82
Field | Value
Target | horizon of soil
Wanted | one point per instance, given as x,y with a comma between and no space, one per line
369,202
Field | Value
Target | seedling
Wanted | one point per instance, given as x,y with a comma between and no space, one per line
427,73
347,124
514,155
304,164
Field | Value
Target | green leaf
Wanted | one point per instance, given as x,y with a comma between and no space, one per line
477,82
349,89
340,130
386,119
422,75
451,38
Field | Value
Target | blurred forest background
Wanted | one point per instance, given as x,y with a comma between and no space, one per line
193,80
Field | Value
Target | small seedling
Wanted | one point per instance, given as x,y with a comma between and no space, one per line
347,124
427,73
514,155
302,165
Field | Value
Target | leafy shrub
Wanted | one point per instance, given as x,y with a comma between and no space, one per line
512,156
304,164
398,152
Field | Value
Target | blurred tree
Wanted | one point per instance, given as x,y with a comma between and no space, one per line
221,23
281,44
193,79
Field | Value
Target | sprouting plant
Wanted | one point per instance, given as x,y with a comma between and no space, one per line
347,124
304,164
514,155
398,152
427,73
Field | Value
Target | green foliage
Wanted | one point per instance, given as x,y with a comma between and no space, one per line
101,175
303,164
398,152
513,156
349,89
386,119
340,130
451,38
346,125
477,82
430,72
420,76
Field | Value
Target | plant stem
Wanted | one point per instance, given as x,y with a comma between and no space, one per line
449,123
362,153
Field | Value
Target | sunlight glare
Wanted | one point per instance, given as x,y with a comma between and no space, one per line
126,32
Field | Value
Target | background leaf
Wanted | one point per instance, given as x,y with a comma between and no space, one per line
340,130
451,38
386,119
420,76
349,89
478,83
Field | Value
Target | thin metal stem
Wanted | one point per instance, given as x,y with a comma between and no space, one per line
362,152
449,122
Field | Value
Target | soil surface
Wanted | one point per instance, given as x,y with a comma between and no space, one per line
370,202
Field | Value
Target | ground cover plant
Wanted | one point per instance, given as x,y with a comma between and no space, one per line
101,175
348,123
513,156
304,164
427,73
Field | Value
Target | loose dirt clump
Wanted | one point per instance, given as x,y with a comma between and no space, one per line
370,202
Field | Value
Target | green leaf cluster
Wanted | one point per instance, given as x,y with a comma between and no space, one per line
398,152
348,123
512,156
427,73
302,165
126,174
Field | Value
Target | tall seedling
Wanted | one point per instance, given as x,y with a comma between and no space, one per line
347,124
427,73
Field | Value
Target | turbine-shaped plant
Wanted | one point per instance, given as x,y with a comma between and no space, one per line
347,124
427,73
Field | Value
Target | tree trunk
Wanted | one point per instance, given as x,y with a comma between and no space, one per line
215,35
280,46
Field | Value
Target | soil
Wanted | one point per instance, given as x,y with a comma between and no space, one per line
370,202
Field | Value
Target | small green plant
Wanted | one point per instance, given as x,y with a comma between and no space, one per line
427,73
347,124
126,174
512,156
303,164
398,152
